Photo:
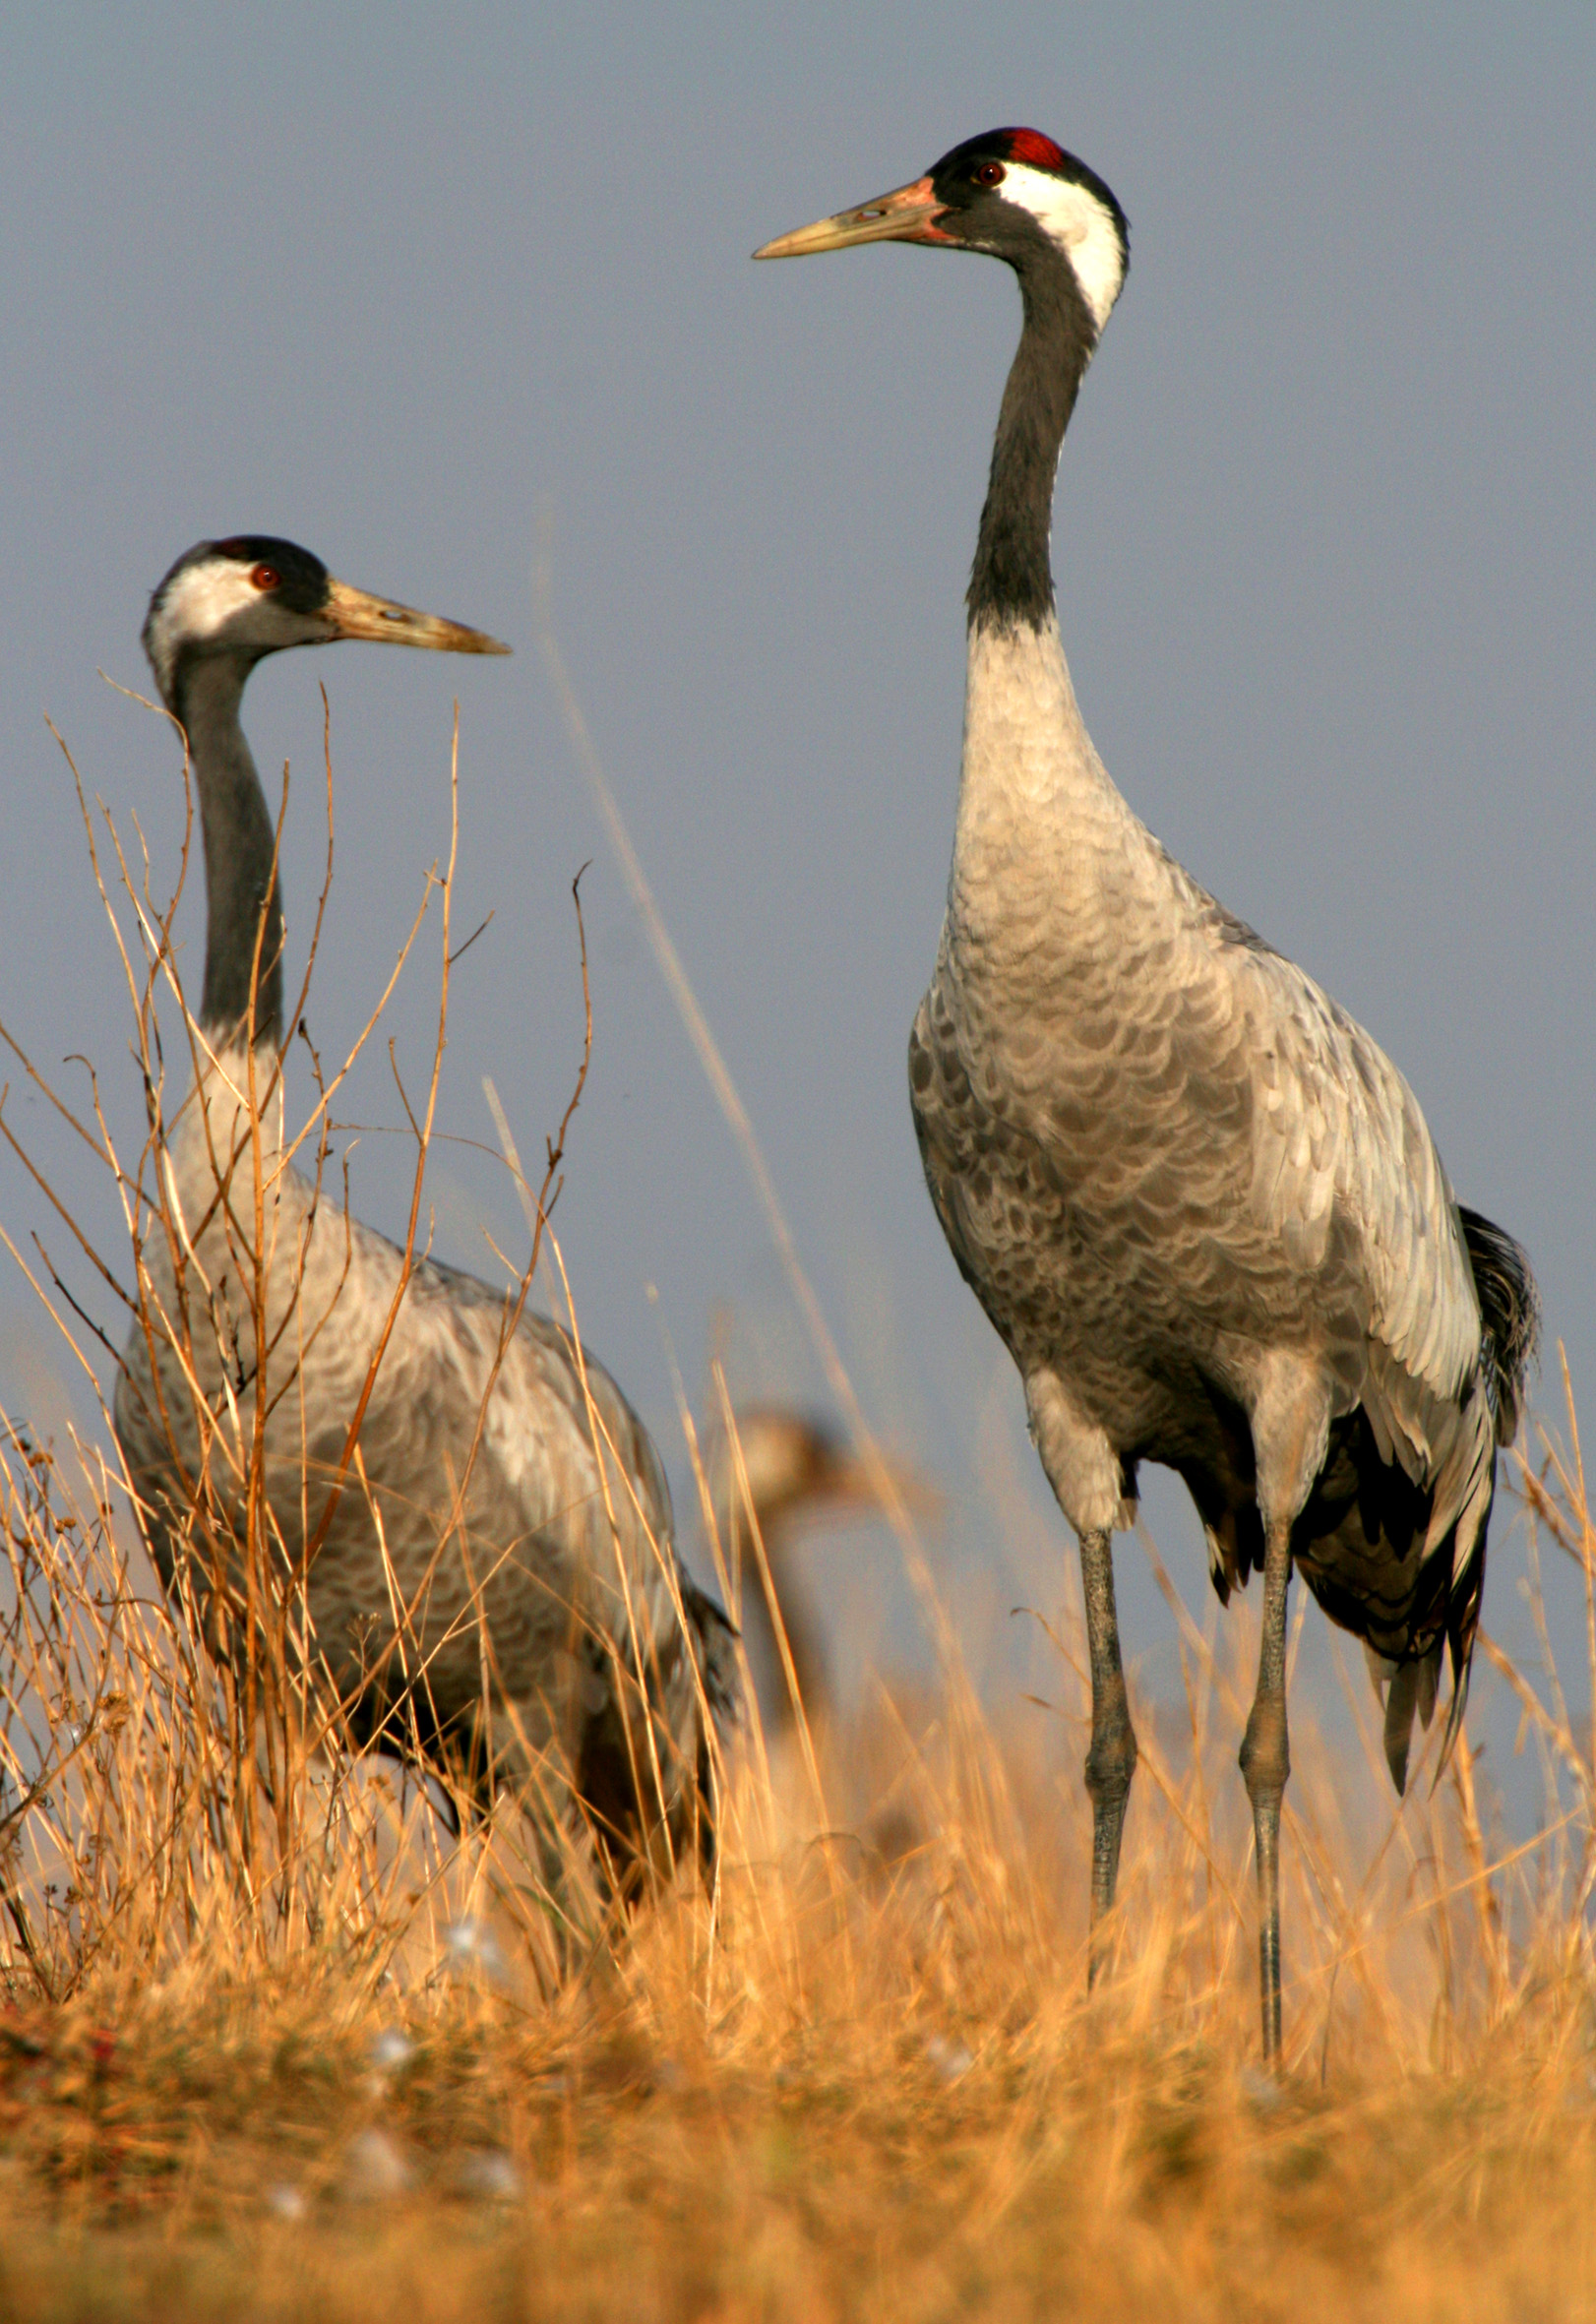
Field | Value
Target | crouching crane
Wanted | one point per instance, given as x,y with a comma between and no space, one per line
491,1538
1197,1203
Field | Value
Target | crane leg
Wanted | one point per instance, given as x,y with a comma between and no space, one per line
1265,1758
1112,1759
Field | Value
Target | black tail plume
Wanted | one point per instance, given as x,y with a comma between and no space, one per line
1509,1316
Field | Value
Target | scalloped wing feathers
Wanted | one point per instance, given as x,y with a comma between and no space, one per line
1166,1162
561,1547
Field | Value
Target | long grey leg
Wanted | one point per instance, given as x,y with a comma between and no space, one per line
1265,1758
1111,1762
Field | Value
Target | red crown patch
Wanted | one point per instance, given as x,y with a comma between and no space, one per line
1029,144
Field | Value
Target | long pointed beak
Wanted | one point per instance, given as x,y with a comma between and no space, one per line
906,215
850,1484
354,614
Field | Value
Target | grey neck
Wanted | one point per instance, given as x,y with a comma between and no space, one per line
243,904
1012,582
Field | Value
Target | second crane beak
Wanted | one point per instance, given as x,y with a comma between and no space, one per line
906,215
854,1484
353,614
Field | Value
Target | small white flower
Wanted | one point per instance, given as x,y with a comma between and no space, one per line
489,2174
471,1946
391,2051
376,2170
951,2059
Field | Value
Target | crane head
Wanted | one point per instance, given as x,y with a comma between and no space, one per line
794,1464
251,595
1011,193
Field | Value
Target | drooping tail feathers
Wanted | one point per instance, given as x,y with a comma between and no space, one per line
1509,1317
1510,1333
1509,1328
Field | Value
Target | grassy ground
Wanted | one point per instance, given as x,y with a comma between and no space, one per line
1136,2183
239,2158
860,2076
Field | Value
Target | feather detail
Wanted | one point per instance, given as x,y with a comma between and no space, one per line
557,1550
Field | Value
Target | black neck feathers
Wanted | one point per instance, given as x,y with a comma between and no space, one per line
243,903
1011,581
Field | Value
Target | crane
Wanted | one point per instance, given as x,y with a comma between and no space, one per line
496,1547
1199,1204
797,1470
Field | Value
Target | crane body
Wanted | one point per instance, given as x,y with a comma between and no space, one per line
1197,1201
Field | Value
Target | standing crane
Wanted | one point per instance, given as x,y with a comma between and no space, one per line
494,1543
1197,1203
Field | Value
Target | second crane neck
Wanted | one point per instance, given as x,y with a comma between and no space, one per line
243,901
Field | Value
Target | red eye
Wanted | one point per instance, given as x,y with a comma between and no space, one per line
265,576
988,173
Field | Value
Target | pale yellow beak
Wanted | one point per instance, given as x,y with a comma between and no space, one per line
905,215
354,614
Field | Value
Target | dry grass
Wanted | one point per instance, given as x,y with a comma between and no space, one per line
272,2043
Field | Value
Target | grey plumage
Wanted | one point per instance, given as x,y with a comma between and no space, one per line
504,1494
1198,1202
1169,1167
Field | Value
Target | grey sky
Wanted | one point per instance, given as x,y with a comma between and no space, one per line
390,280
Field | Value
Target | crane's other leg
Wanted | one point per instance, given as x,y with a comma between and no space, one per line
1112,1759
1265,1758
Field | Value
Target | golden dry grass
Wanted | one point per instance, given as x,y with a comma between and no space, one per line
862,2077
273,2044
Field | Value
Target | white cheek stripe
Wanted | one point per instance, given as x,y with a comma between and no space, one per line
208,596
1081,228
200,603
217,602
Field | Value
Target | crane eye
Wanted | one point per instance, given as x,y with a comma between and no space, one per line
988,173
265,576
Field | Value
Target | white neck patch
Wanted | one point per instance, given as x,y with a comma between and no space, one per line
218,604
1081,228
199,605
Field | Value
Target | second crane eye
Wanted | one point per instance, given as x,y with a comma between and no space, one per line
989,174
265,576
